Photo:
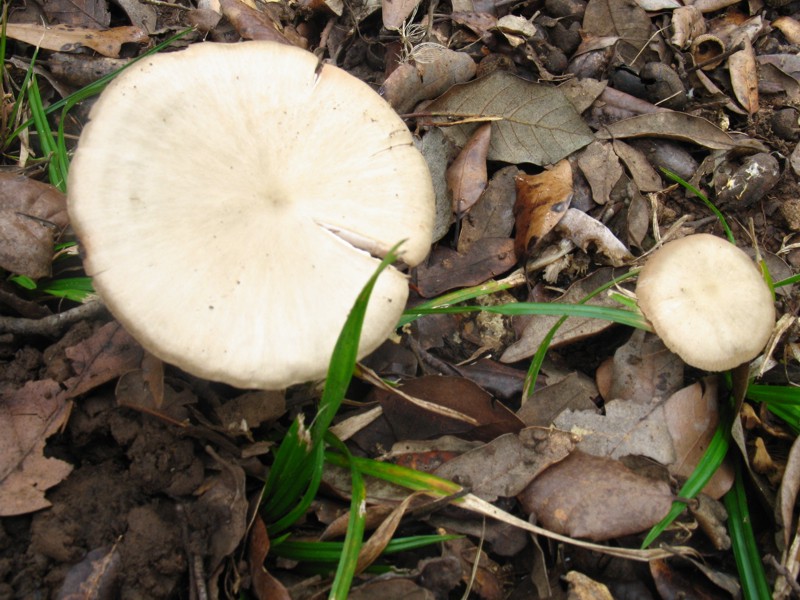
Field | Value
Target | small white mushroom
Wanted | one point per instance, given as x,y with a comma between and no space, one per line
707,301
232,200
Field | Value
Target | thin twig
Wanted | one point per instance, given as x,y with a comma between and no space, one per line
52,325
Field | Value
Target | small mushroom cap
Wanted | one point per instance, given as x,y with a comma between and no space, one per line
233,199
707,301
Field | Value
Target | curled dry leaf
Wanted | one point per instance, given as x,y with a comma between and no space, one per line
65,38
396,11
642,172
253,24
531,122
623,19
744,76
687,24
597,498
542,200
32,215
587,232
789,27
264,585
410,84
467,176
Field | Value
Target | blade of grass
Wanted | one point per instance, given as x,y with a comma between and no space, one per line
297,471
356,524
331,551
616,315
783,401
743,542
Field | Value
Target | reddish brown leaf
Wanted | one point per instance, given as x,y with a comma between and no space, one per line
487,418
467,177
447,269
597,498
265,586
64,38
744,76
541,202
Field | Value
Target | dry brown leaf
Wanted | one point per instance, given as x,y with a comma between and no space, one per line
87,13
107,354
600,166
507,464
264,585
687,24
588,233
574,329
410,84
576,391
643,370
253,24
744,76
541,202
531,122
32,215
409,421
28,416
447,269
787,494
395,12
692,415
789,27
397,588
493,214
642,172
597,498
623,19
626,428
678,126
467,177
65,38
93,578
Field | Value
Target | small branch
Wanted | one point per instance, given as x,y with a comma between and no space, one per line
52,325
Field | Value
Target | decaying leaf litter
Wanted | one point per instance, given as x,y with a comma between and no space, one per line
546,128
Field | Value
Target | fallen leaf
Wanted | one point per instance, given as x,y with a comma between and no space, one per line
391,589
642,172
467,177
485,418
542,200
88,13
493,213
600,166
506,465
574,392
395,12
588,233
410,84
66,38
597,498
789,27
692,415
264,585
582,587
107,354
32,215
531,122
678,126
439,153
447,269
643,370
28,416
744,76
573,330
687,24
623,19
93,578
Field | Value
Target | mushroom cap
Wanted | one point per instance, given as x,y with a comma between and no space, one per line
707,301
233,199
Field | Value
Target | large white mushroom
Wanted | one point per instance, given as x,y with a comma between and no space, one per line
707,301
231,201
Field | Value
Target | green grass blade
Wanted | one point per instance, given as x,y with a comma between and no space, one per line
743,542
616,315
783,401
788,281
709,463
354,538
330,552
677,179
